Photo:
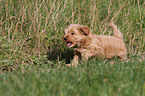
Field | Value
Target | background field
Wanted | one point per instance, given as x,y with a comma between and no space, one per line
31,48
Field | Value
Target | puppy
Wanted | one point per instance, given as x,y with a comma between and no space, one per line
87,44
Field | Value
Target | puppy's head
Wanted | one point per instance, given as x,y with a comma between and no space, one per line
74,33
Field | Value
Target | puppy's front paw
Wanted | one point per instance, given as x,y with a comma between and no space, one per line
69,65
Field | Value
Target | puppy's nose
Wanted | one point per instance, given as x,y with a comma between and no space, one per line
65,38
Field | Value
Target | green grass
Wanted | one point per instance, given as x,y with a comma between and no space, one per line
94,78
31,47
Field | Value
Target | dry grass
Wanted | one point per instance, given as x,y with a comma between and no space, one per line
31,29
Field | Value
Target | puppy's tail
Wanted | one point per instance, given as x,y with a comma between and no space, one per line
116,32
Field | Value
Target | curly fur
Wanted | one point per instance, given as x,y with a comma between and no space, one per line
88,44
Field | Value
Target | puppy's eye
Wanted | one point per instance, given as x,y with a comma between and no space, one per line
72,34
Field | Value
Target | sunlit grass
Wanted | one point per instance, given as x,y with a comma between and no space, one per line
90,78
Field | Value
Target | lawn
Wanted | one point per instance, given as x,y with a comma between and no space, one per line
31,48
93,78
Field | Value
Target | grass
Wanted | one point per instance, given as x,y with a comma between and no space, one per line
31,47
91,78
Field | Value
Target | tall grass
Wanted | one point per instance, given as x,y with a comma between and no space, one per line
32,29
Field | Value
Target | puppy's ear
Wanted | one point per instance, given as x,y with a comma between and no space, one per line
85,30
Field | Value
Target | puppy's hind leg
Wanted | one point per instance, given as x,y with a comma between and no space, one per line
122,55
116,32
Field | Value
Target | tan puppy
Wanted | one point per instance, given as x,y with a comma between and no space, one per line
87,44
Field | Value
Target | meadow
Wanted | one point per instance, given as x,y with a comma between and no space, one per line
31,48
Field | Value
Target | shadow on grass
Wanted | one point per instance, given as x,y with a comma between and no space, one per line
58,53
